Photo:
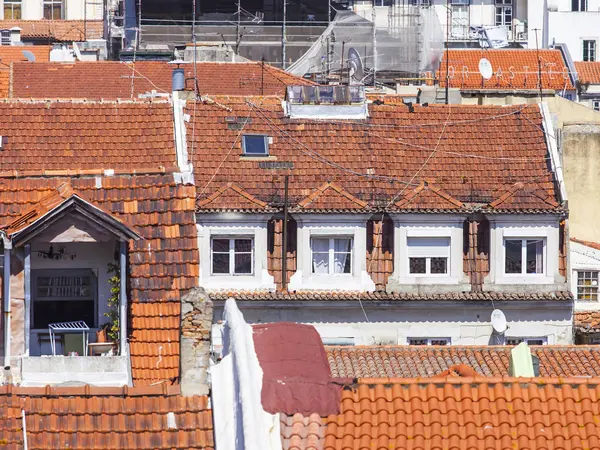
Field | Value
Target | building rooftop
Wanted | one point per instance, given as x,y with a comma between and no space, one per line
56,30
587,321
512,68
452,159
126,80
427,361
588,71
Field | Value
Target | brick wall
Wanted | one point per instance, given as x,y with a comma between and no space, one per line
274,248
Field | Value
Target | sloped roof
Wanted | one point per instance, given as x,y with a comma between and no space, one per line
513,69
466,413
10,54
232,197
47,136
469,152
427,361
331,196
85,417
428,196
56,30
112,79
526,195
587,321
163,265
588,71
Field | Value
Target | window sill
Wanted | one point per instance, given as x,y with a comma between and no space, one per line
242,282
257,158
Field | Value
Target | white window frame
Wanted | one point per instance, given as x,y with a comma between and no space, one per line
429,341
460,20
597,272
54,4
596,105
524,256
589,54
232,254
413,252
332,252
10,5
527,339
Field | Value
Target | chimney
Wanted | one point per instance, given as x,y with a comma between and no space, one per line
15,35
178,79
196,324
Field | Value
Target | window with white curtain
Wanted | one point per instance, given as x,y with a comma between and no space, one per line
331,255
428,255
524,256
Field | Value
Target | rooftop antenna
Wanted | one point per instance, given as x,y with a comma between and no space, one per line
283,35
30,56
537,48
356,69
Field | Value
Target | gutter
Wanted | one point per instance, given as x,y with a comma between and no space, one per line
6,300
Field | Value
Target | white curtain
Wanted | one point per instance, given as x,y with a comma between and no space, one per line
539,256
320,249
342,254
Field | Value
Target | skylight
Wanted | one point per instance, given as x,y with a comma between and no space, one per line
255,145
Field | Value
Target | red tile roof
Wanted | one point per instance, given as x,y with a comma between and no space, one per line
45,136
300,432
56,30
594,245
470,155
427,361
111,80
587,321
513,69
104,418
10,54
163,265
323,295
588,71
467,413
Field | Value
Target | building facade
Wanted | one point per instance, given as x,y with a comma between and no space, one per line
52,9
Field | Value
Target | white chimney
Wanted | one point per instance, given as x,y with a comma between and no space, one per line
15,35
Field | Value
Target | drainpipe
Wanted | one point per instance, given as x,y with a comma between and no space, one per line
6,306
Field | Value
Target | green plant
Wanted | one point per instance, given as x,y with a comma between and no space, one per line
114,281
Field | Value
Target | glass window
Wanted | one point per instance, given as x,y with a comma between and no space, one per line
578,5
587,285
525,256
428,256
460,21
331,255
53,9
255,145
232,256
596,105
12,9
504,13
530,341
428,341
589,50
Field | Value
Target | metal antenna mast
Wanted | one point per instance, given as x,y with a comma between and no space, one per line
283,35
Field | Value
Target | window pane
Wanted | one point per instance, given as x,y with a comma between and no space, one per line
341,262
46,312
439,342
243,263
439,265
535,256
417,265
513,256
220,262
320,262
220,245
255,145
320,245
342,245
243,245
417,342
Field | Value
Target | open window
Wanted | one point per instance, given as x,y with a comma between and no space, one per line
331,255
524,256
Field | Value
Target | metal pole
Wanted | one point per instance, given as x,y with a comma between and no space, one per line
123,298
27,270
139,33
194,27
6,289
85,20
374,14
237,31
447,46
284,236
328,38
284,35
537,47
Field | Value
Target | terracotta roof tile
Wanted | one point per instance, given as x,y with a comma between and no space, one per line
231,196
525,195
331,196
241,295
483,151
466,413
300,432
109,135
56,30
111,79
587,321
164,264
513,69
594,245
86,418
428,361
10,54
588,71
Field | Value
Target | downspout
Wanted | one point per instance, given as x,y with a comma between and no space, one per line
6,297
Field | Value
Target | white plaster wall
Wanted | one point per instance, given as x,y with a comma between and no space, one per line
572,28
74,9
465,323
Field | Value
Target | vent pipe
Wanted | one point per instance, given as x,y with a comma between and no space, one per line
178,79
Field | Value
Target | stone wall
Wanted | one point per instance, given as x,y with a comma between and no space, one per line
196,322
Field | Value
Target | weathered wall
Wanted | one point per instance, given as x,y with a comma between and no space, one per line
581,159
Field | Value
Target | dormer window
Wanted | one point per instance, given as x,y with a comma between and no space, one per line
524,256
232,256
331,255
255,145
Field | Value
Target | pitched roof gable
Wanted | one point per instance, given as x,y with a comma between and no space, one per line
428,195
331,196
530,195
230,196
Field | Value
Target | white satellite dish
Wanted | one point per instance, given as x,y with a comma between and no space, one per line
355,65
28,55
485,68
498,321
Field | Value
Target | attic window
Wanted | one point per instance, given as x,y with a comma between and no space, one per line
255,145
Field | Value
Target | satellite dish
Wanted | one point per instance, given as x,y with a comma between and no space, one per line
30,56
485,68
357,71
498,321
